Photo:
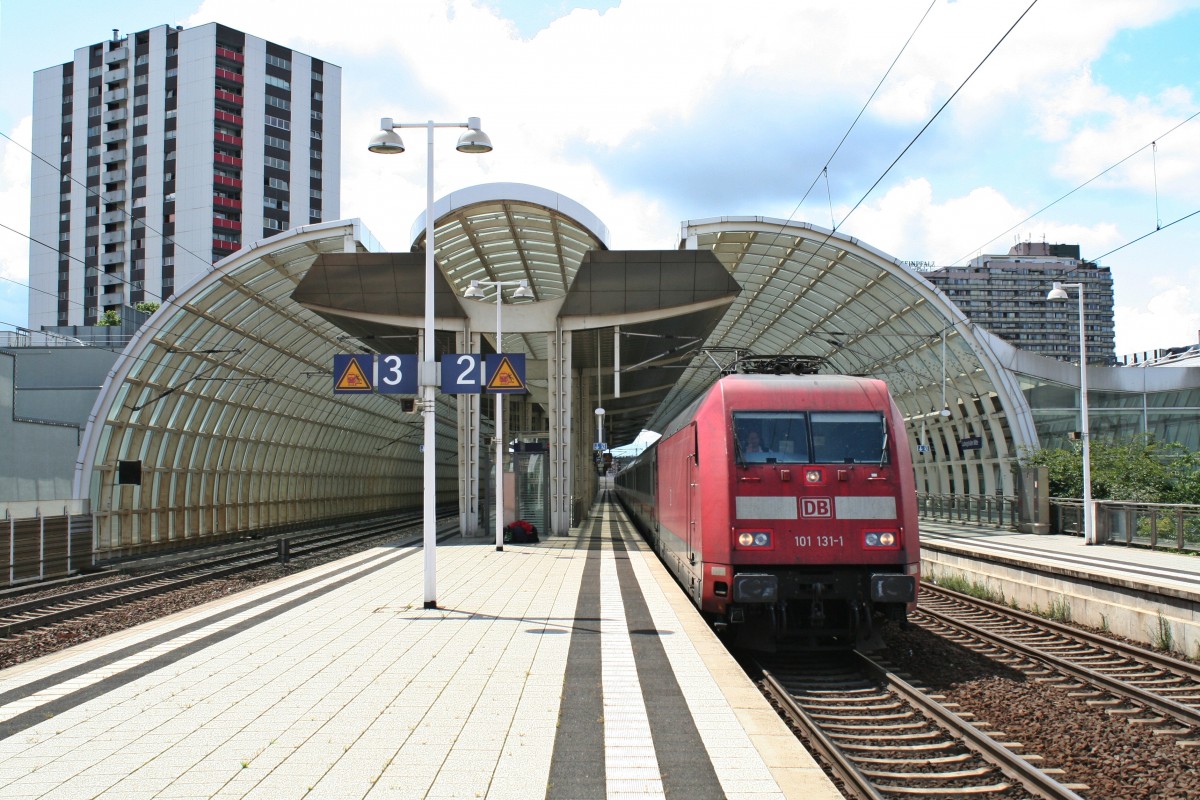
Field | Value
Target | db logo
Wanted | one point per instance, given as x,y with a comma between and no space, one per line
816,507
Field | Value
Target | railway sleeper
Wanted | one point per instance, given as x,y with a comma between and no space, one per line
956,775
950,791
900,737
957,758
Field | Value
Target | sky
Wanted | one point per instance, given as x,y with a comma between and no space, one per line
1082,125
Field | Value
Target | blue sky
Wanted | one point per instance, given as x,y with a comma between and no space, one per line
652,112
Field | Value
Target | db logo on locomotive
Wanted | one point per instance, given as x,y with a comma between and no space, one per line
816,507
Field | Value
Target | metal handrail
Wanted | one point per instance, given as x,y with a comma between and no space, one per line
984,510
1154,525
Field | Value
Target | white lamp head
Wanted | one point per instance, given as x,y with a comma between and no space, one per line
387,141
1057,293
523,290
473,290
474,140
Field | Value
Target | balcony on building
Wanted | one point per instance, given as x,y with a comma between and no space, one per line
227,224
116,75
118,135
221,244
222,180
108,259
115,95
115,196
116,115
225,116
230,55
113,176
229,97
116,298
228,160
112,278
116,55
112,237
113,156
112,217
230,76
225,138
220,201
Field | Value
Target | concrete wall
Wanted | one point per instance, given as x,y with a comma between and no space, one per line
1096,600
46,395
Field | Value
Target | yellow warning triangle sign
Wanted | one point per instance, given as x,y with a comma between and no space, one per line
505,378
353,379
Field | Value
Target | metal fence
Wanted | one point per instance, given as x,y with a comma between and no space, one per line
992,510
1155,525
40,546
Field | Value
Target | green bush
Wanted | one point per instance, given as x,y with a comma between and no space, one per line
1141,470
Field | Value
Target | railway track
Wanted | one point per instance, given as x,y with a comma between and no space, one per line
1149,688
72,602
884,738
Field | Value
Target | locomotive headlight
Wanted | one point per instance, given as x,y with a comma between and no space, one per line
750,539
813,476
879,539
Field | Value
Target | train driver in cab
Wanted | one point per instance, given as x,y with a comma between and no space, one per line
752,446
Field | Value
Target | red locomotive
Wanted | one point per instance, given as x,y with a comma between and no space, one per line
785,505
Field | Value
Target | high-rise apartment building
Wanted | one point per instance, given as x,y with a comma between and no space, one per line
1006,294
161,152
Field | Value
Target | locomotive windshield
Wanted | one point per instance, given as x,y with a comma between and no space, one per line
849,437
779,437
818,437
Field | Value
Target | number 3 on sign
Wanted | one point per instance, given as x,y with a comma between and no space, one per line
397,374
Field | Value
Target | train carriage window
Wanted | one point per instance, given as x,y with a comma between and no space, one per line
849,437
771,437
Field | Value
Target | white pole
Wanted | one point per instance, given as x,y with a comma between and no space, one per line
1089,522
499,435
428,395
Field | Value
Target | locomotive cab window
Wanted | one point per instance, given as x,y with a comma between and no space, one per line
849,437
770,437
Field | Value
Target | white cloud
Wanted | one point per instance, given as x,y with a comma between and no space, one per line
908,224
1170,319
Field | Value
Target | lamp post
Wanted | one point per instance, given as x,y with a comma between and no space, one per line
388,142
1089,530
475,291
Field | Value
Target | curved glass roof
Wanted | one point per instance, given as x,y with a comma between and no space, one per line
811,292
511,231
225,394
225,397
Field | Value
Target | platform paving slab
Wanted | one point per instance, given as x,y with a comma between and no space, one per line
337,682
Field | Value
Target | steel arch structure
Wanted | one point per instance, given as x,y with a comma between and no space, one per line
812,292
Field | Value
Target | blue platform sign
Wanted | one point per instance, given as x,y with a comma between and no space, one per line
462,373
505,373
396,374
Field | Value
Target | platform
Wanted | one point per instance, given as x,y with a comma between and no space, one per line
574,668
1131,591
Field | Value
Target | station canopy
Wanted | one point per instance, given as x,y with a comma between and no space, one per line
225,398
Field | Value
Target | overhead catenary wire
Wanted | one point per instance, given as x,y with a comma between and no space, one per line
1191,117
920,133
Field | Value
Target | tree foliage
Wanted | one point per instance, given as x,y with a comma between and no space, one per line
109,318
1141,470
147,307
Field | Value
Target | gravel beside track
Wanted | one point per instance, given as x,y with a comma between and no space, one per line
1117,760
